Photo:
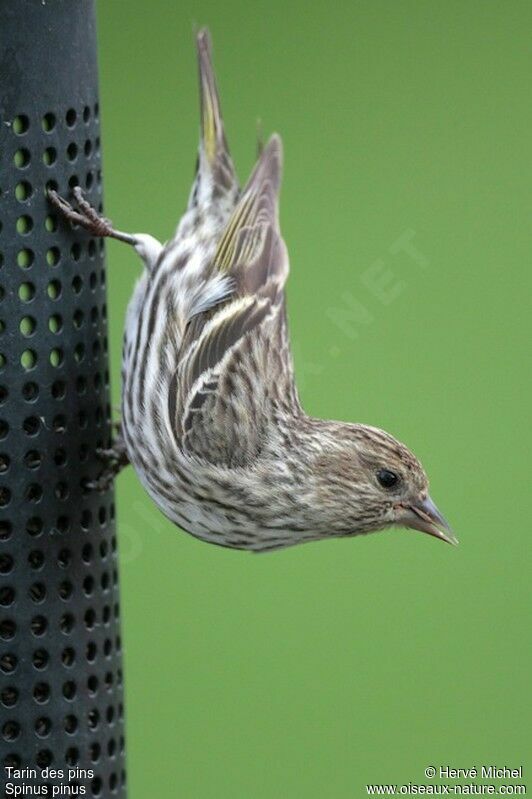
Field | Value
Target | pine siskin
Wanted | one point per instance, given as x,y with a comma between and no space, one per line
211,419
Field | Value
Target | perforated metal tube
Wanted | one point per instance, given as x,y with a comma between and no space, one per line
61,702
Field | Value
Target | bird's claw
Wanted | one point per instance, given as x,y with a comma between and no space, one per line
109,455
102,484
86,216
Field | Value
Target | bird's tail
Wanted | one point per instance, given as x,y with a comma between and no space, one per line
216,174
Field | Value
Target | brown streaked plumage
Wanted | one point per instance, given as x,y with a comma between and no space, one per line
211,419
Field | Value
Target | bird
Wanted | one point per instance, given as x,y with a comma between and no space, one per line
210,415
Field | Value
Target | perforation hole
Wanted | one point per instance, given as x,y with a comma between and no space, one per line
43,727
31,425
8,663
34,526
72,756
36,559
41,693
32,459
9,696
25,258
55,323
90,619
38,626
56,356
27,326
23,191
22,158
53,256
8,629
70,117
28,359
68,657
49,157
50,223
44,758
93,719
21,124
33,493
54,289
60,457
30,391
48,122
86,519
62,524
69,690
64,558
6,563
58,389
40,659
59,423
10,730
95,751
66,589
66,623
70,724
7,596
72,151
37,593
5,496
24,224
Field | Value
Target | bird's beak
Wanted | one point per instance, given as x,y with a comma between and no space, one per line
424,515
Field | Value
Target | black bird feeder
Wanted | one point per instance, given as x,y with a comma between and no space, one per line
61,696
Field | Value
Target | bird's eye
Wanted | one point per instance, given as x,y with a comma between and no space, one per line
387,479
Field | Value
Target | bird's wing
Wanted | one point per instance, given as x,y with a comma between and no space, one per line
235,375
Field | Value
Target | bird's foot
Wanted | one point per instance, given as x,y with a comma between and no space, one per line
87,216
114,459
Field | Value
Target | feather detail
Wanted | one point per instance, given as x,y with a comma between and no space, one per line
209,293
212,129
215,173
251,248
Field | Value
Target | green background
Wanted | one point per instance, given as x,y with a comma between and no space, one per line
313,671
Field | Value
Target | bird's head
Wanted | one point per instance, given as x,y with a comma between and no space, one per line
382,484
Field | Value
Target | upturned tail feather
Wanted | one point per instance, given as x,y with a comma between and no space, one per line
215,167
